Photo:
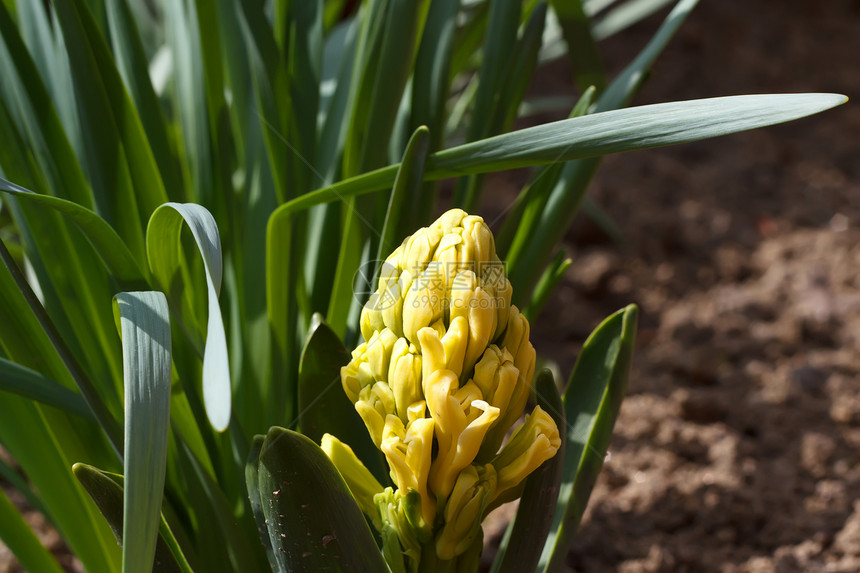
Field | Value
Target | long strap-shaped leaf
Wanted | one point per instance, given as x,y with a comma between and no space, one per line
164,252
18,537
107,243
591,402
641,127
146,358
35,386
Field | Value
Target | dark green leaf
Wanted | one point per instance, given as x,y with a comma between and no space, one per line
107,491
592,400
534,513
312,518
323,405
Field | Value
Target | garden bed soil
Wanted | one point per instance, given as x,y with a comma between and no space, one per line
738,446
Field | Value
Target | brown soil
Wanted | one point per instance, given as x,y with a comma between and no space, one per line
738,447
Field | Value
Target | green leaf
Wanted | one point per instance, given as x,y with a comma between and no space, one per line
625,15
312,518
323,405
164,252
107,491
592,400
146,361
593,135
32,385
21,540
122,169
581,48
564,200
133,66
34,332
107,244
407,185
547,284
533,519
252,482
37,117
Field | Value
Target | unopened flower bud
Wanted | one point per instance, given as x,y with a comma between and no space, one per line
358,478
464,511
408,450
516,340
379,349
534,442
404,376
460,428
374,404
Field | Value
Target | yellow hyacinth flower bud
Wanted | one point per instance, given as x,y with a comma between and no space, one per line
361,483
418,249
374,405
408,450
516,340
404,377
460,428
392,507
358,374
464,511
449,220
534,442
379,349
504,388
476,306
423,304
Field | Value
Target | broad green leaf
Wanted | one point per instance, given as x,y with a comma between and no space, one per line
20,539
592,400
299,30
108,490
32,385
146,352
61,260
532,521
313,521
107,244
223,539
164,252
323,405
497,54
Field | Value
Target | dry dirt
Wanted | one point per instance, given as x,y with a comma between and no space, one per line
738,447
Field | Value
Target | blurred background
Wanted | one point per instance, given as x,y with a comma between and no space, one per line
738,447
